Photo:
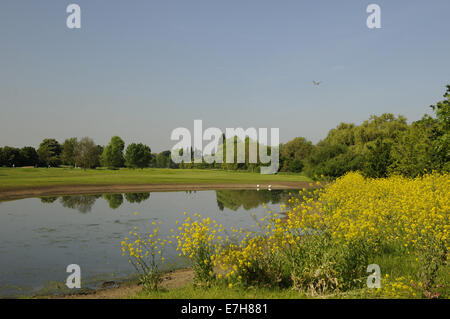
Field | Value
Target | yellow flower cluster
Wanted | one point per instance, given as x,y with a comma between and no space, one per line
144,252
412,212
199,232
409,213
400,287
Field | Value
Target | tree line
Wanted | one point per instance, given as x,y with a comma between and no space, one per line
84,153
380,146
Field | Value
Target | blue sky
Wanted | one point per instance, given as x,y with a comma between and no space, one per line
139,69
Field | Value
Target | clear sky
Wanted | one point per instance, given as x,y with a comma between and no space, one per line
139,69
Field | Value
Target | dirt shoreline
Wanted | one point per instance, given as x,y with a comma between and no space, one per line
170,280
60,190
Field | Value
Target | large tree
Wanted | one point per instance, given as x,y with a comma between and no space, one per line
441,131
29,156
86,153
11,156
49,152
68,153
138,156
294,153
112,156
163,159
378,159
413,153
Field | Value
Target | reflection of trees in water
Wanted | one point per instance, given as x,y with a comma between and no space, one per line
82,203
136,197
248,199
48,200
114,200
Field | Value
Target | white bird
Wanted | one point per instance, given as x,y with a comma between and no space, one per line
317,82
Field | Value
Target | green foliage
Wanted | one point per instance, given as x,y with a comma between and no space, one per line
10,156
86,153
138,156
441,137
378,159
381,146
49,152
294,153
68,151
163,160
29,156
347,147
112,156
333,160
412,153
319,265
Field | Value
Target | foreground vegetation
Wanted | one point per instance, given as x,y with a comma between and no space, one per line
34,177
321,245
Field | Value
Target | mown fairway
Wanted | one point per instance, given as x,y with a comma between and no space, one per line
37,177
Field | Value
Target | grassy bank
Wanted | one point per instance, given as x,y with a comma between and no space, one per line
11,178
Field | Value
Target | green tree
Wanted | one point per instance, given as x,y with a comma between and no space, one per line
441,132
68,152
378,159
11,156
49,152
294,153
333,160
348,146
86,153
29,156
112,156
413,152
138,156
163,159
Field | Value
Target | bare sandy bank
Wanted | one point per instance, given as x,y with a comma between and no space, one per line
59,190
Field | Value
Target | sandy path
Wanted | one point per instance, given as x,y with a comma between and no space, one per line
175,279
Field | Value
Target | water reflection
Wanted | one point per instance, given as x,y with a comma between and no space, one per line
40,237
248,199
48,200
82,203
114,200
231,199
136,197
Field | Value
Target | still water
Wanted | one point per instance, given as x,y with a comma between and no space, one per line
40,237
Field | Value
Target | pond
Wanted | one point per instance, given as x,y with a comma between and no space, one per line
40,237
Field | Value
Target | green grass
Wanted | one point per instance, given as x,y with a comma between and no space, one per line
36,177
219,292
